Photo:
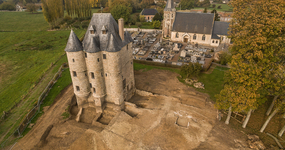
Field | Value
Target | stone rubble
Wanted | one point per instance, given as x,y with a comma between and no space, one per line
255,143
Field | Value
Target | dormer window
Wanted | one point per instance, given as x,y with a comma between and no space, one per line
92,29
177,35
104,30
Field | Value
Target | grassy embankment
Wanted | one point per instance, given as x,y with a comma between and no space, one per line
30,56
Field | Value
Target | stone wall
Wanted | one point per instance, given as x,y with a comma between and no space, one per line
182,35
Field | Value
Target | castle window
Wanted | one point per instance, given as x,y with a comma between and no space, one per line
106,74
124,83
74,74
90,85
203,37
104,56
213,41
77,88
98,59
194,37
85,55
101,74
92,75
172,15
177,35
92,32
127,46
104,30
131,62
216,41
73,60
94,90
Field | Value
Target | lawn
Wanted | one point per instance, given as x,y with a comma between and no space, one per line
224,7
145,25
22,21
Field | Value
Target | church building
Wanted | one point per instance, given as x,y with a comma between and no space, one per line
195,28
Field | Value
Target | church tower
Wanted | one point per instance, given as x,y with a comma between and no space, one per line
169,17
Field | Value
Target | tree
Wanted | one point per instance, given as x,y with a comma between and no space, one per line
146,3
156,24
139,24
205,10
224,58
78,8
52,10
187,4
142,18
120,11
7,6
157,17
217,16
257,55
31,7
1,1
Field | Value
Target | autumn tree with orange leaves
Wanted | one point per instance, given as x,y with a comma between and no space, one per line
257,31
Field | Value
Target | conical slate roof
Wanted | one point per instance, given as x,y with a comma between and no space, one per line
93,46
73,43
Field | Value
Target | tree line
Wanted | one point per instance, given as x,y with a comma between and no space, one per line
257,68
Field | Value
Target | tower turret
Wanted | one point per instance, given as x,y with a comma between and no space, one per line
95,72
77,68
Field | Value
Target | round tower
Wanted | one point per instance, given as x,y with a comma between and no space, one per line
94,62
77,68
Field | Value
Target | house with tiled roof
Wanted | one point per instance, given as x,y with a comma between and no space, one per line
148,14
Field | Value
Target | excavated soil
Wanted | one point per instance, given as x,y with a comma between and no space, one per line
171,116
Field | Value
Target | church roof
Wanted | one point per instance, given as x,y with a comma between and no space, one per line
169,6
201,23
73,43
221,28
104,21
149,11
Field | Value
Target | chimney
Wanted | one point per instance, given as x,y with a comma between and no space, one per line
121,28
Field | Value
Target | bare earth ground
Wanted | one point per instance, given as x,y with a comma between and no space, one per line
175,116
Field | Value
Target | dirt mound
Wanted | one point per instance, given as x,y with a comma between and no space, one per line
173,116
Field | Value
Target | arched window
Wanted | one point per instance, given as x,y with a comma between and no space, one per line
194,37
204,37
177,35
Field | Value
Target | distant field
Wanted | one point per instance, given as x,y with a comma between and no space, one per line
224,7
22,21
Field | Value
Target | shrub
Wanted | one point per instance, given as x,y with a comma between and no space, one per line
31,7
219,7
190,70
139,24
214,6
7,6
142,18
156,24
67,18
225,58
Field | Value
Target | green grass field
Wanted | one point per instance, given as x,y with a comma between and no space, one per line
22,21
224,7
27,54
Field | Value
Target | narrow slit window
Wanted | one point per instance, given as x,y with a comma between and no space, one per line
77,88
73,60
101,74
92,75
124,83
85,55
216,41
106,74
74,73
104,56
90,85
94,90
98,59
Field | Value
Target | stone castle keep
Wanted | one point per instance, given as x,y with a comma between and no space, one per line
101,66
